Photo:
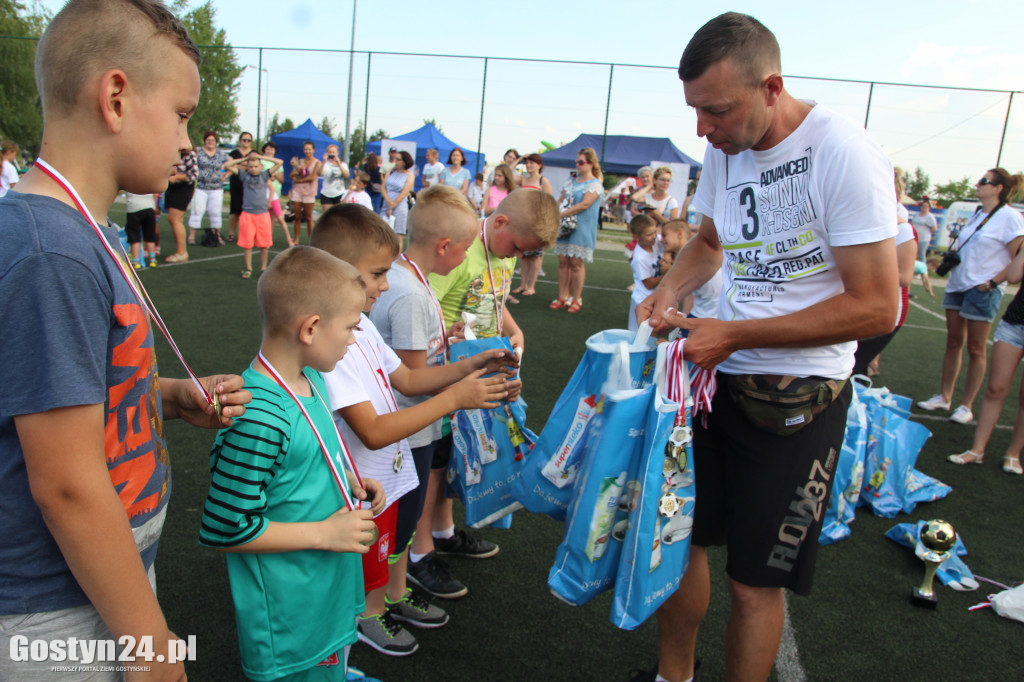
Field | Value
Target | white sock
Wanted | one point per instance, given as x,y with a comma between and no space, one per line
444,534
659,678
415,558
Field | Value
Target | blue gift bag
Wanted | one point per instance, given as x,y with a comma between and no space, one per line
656,550
892,448
849,476
588,557
488,449
552,467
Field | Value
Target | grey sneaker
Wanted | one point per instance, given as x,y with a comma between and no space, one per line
416,611
386,636
431,575
466,545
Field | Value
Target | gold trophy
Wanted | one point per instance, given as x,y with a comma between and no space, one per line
938,537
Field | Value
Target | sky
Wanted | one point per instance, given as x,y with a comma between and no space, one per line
951,134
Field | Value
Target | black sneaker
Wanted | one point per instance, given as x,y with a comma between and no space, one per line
464,544
432,576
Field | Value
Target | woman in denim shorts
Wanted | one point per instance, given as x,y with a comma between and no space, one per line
985,246
1006,355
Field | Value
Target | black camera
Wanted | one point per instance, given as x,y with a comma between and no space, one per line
950,260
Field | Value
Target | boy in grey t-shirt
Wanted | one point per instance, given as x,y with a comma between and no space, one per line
254,223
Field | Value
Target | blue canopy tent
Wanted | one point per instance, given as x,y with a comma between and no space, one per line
426,137
289,144
623,154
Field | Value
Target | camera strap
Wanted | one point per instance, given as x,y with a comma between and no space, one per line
977,229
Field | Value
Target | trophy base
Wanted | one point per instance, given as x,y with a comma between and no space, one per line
925,601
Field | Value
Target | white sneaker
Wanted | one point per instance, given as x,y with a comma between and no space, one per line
936,402
962,415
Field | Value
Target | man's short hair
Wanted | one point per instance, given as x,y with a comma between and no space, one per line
533,211
441,211
90,36
351,231
640,223
740,37
303,281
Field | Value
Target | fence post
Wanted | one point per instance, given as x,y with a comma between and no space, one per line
1002,140
348,106
259,93
480,131
607,108
867,112
366,108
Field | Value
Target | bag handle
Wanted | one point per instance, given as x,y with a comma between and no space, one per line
619,377
643,333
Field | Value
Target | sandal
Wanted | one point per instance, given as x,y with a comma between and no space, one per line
512,299
1011,465
176,258
528,292
962,458
576,305
559,303
519,290
246,274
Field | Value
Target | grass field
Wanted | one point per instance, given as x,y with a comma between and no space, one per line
858,624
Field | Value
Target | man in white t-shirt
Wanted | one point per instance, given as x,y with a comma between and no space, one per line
799,214
432,169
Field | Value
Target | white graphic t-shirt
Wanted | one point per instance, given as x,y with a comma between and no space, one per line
778,214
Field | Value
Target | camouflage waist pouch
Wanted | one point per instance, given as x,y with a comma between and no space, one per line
782,404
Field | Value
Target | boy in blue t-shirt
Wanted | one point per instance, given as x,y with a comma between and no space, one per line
254,226
84,468
275,503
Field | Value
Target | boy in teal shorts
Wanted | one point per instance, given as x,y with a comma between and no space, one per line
281,487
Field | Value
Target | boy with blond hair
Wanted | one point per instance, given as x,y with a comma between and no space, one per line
409,318
361,393
84,469
357,194
275,504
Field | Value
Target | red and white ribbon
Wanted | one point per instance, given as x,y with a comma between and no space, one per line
338,461
437,303
129,274
490,273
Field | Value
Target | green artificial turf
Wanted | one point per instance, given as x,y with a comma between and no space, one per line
858,624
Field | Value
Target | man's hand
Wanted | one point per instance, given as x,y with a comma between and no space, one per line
182,399
654,307
708,342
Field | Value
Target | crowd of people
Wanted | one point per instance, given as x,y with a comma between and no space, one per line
352,374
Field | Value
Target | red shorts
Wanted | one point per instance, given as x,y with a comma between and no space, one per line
254,230
375,562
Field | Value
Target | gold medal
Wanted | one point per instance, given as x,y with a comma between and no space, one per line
217,406
373,539
669,505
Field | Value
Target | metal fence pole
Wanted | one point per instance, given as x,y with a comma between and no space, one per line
867,112
348,105
480,131
366,108
607,108
259,93
1002,140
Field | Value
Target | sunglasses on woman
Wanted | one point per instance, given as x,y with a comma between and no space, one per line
986,181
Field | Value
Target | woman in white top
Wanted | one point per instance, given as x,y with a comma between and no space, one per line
334,172
9,175
924,225
655,200
985,246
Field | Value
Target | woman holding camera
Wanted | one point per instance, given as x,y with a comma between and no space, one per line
334,172
977,262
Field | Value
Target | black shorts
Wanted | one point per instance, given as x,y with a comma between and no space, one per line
330,201
179,195
143,221
764,495
410,506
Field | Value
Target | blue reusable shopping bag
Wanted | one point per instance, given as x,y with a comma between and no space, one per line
588,557
550,470
849,475
656,550
488,449
892,448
